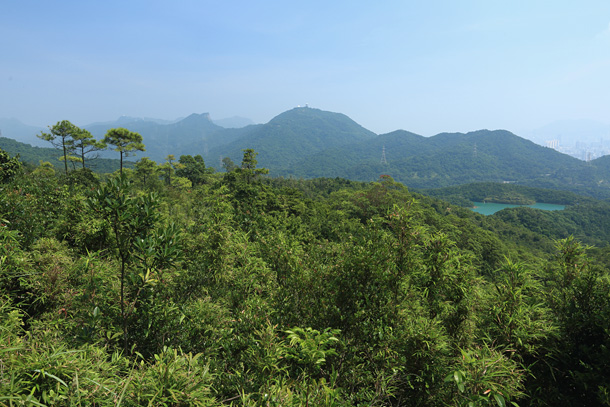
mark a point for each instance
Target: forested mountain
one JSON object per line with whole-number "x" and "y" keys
{"x": 306, "y": 142}
{"x": 450, "y": 159}
{"x": 281, "y": 142}
{"x": 239, "y": 290}
{"x": 196, "y": 131}
{"x": 292, "y": 135}
{"x": 602, "y": 164}
{"x": 177, "y": 285}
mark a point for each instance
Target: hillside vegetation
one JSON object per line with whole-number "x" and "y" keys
{"x": 177, "y": 285}
{"x": 465, "y": 195}
{"x": 34, "y": 155}
{"x": 309, "y": 143}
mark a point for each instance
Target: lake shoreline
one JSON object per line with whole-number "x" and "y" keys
{"x": 489, "y": 208}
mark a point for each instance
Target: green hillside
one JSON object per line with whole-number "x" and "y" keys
{"x": 327, "y": 292}
{"x": 455, "y": 159}
{"x": 192, "y": 135}
{"x": 295, "y": 134}
{"x": 585, "y": 218}
{"x": 33, "y": 156}
{"x": 465, "y": 195}
{"x": 309, "y": 143}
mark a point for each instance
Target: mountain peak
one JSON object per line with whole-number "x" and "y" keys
{"x": 198, "y": 117}
{"x": 306, "y": 113}
{"x": 318, "y": 120}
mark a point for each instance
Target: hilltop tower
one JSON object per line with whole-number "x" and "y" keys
{"x": 383, "y": 160}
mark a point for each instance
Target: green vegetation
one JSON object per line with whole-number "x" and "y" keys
{"x": 293, "y": 135}
{"x": 311, "y": 143}
{"x": 585, "y": 218}
{"x": 9, "y": 166}
{"x": 244, "y": 290}
{"x": 84, "y": 144}
{"x": 455, "y": 159}
{"x": 465, "y": 195}
{"x": 32, "y": 156}
{"x": 62, "y": 136}
{"x": 124, "y": 141}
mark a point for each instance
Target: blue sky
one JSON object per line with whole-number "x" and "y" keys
{"x": 425, "y": 67}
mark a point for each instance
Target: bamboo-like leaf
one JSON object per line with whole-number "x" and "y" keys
{"x": 42, "y": 372}
{"x": 500, "y": 400}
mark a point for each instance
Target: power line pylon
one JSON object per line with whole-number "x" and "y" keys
{"x": 383, "y": 160}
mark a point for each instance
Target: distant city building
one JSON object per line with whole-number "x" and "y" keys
{"x": 554, "y": 144}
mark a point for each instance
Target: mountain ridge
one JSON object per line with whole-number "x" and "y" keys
{"x": 308, "y": 142}
{"x": 308, "y": 130}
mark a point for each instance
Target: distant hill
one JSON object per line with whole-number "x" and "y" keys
{"x": 453, "y": 159}
{"x": 294, "y": 134}
{"x": 126, "y": 120}
{"x": 602, "y": 163}
{"x": 14, "y": 129}
{"x": 191, "y": 135}
{"x": 362, "y": 160}
{"x": 306, "y": 142}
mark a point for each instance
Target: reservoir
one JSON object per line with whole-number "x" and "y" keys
{"x": 491, "y": 208}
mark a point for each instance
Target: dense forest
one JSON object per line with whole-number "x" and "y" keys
{"x": 178, "y": 285}
{"x": 585, "y": 218}
{"x": 311, "y": 143}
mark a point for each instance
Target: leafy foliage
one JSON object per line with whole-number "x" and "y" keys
{"x": 125, "y": 142}
{"x": 9, "y": 166}
{"x": 246, "y": 290}
{"x": 34, "y": 155}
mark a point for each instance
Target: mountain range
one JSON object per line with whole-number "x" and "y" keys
{"x": 307, "y": 142}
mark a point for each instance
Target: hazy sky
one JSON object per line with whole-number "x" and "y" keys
{"x": 423, "y": 66}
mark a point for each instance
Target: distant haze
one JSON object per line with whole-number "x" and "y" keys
{"x": 234, "y": 122}
{"x": 571, "y": 131}
{"x": 583, "y": 139}
{"x": 427, "y": 67}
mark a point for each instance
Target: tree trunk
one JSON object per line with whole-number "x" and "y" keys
{"x": 65, "y": 156}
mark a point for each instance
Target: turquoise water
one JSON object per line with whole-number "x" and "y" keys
{"x": 491, "y": 208}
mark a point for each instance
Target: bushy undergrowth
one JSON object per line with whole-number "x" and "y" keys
{"x": 237, "y": 292}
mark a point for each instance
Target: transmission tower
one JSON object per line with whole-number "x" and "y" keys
{"x": 383, "y": 160}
